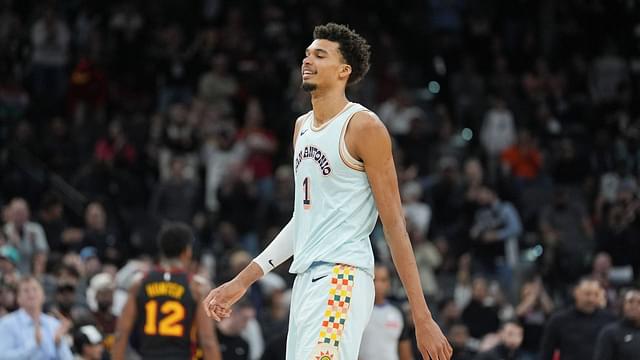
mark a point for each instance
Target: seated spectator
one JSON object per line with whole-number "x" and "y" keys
{"x": 495, "y": 232}
{"x": 98, "y": 235}
{"x": 115, "y": 149}
{"x": 574, "y": 330}
{"x": 463, "y": 345}
{"x": 621, "y": 340}
{"x": 523, "y": 160}
{"x": 508, "y": 347}
{"x": 568, "y": 237}
{"x": 232, "y": 345}
{"x": 533, "y": 311}
{"x": 28, "y": 333}
{"x": 480, "y": 316}
{"x": 26, "y": 236}
{"x": 100, "y": 299}
{"x": 176, "y": 198}
{"x": 9, "y": 260}
{"x": 87, "y": 343}
{"x": 7, "y": 299}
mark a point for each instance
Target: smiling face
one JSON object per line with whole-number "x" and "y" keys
{"x": 323, "y": 66}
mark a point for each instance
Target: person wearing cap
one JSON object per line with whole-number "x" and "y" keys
{"x": 28, "y": 333}
{"x": 9, "y": 259}
{"x": 87, "y": 343}
{"x": 100, "y": 300}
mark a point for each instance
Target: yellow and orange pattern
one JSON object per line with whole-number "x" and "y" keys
{"x": 337, "y": 305}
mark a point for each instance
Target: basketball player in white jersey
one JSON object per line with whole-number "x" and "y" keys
{"x": 344, "y": 175}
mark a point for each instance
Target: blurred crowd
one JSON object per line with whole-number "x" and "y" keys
{"x": 516, "y": 139}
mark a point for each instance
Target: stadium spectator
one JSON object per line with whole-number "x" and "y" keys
{"x": 508, "y": 348}
{"x": 533, "y": 311}
{"x": 87, "y": 343}
{"x": 574, "y": 330}
{"x": 232, "y": 345}
{"x": 30, "y": 334}
{"x": 621, "y": 340}
{"x": 26, "y": 236}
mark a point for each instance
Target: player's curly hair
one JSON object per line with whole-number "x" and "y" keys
{"x": 354, "y": 48}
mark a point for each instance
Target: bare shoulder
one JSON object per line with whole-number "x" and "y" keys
{"x": 367, "y": 121}
{"x": 367, "y": 136}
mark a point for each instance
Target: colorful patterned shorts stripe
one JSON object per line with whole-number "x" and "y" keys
{"x": 338, "y": 305}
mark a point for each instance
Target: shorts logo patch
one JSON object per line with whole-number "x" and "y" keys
{"x": 325, "y": 352}
{"x": 336, "y": 314}
{"x": 325, "y": 356}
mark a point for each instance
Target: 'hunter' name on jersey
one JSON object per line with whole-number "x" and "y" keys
{"x": 312, "y": 152}
{"x": 163, "y": 288}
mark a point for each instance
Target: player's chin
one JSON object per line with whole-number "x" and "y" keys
{"x": 308, "y": 86}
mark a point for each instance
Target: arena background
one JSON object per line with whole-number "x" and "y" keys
{"x": 512, "y": 120}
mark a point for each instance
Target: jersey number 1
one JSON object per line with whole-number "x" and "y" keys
{"x": 170, "y": 324}
{"x": 306, "y": 187}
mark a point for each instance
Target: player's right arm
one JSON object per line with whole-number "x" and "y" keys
{"x": 219, "y": 301}
{"x": 125, "y": 324}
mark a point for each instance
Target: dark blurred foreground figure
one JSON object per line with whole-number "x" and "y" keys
{"x": 621, "y": 340}
{"x": 573, "y": 331}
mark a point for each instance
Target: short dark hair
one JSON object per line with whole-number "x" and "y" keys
{"x": 50, "y": 200}
{"x": 514, "y": 322}
{"x": 174, "y": 239}
{"x": 354, "y": 48}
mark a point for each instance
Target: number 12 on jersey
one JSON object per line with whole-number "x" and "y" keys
{"x": 306, "y": 188}
{"x": 170, "y": 324}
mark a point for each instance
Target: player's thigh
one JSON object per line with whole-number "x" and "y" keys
{"x": 330, "y": 313}
{"x": 358, "y": 318}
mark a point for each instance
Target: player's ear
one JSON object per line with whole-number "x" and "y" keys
{"x": 345, "y": 71}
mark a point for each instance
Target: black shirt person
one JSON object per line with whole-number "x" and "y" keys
{"x": 621, "y": 340}
{"x": 574, "y": 331}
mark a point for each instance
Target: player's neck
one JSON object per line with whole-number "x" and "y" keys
{"x": 169, "y": 264}
{"x": 327, "y": 104}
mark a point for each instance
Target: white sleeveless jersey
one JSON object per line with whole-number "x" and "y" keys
{"x": 334, "y": 211}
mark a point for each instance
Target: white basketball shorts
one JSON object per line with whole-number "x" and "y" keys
{"x": 330, "y": 308}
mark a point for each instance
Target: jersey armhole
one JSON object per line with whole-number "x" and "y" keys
{"x": 345, "y": 155}
{"x": 303, "y": 123}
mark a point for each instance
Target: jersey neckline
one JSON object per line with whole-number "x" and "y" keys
{"x": 321, "y": 127}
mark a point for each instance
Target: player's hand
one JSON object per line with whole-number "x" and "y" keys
{"x": 217, "y": 304}
{"x": 432, "y": 342}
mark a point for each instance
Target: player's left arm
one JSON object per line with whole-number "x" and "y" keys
{"x": 125, "y": 324}
{"x": 368, "y": 140}
{"x": 204, "y": 325}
